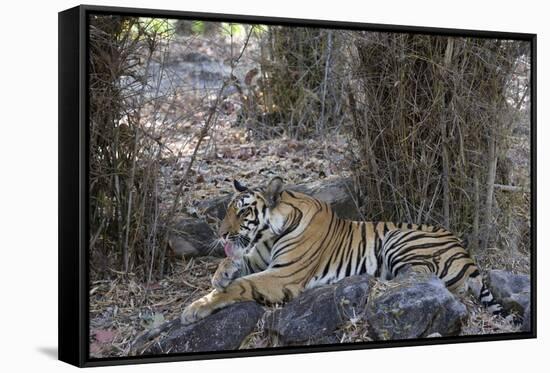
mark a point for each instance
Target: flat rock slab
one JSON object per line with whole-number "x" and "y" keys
{"x": 337, "y": 192}
{"x": 223, "y": 330}
{"x": 414, "y": 306}
{"x": 512, "y": 291}
{"x": 318, "y": 312}
{"x": 193, "y": 237}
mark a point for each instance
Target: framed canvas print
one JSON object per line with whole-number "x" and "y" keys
{"x": 233, "y": 186}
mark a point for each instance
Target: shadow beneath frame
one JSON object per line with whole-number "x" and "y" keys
{"x": 50, "y": 352}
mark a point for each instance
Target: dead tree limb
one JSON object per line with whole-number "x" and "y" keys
{"x": 511, "y": 188}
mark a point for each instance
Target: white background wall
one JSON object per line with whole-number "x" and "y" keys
{"x": 28, "y": 183}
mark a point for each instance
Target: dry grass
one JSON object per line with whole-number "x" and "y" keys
{"x": 496, "y": 258}
{"x": 482, "y": 322}
{"x": 128, "y": 308}
{"x": 432, "y": 119}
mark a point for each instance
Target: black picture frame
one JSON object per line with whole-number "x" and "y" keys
{"x": 73, "y": 184}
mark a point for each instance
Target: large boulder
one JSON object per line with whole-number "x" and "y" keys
{"x": 223, "y": 330}
{"x": 337, "y": 192}
{"x": 193, "y": 237}
{"x": 512, "y": 291}
{"x": 318, "y": 312}
{"x": 414, "y": 306}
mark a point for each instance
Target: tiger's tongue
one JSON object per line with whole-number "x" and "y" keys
{"x": 228, "y": 248}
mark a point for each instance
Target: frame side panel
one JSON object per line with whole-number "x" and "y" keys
{"x": 68, "y": 162}
{"x": 534, "y": 186}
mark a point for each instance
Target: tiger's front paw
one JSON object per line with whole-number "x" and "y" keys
{"x": 227, "y": 271}
{"x": 196, "y": 311}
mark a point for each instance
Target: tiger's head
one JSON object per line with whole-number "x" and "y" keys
{"x": 247, "y": 219}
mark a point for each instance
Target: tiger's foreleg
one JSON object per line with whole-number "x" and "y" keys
{"x": 263, "y": 287}
{"x": 228, "y": 270}
{"x": 255, "y": 260}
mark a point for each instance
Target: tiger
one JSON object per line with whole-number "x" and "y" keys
{"x": 279, "y": 242}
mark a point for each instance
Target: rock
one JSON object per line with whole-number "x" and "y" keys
{"x": 512, "y": 291}
{"x": 215, "y": 207}
{"x": 195, "y": 57}
{"x": 337, "y": 192}
{"x": 193, "y": 237}
{"x": 223, "y": 330}
{"x": 414, "y": 306}
{"x": 434, "y": 335}
{"x": 316, "y": 313}
{"x": 526, "y": 326}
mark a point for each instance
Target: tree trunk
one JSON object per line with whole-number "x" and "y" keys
{"x": 477, "y": 209}
{"x": 444, "y": 140}
{"x": 491, "y": 175}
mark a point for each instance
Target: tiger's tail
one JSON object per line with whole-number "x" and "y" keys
{"x": 479, "y": 289}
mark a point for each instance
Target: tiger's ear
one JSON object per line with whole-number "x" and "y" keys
{"x": 239, "y": 187}
{"x": 273, "y": 191}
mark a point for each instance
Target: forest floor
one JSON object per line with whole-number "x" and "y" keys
{"x": 122, "y": 307}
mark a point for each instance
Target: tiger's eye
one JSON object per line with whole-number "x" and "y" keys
{"x": 243, "y": 212}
